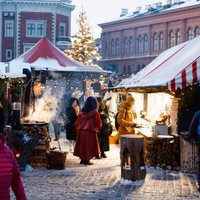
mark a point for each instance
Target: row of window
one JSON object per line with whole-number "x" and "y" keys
{"x": 128, "y": 70}
{"x": 142, "y": 42}
{"x": 34, "y": 28}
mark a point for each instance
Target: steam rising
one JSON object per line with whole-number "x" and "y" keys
{"x": 45, "y": 108}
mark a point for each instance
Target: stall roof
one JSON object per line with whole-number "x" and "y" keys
{"x": 44, "y": 55}
{"x": 175, "y": 68}
{"x": 11, "y": 72}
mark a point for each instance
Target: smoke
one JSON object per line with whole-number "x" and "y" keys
{"x": 44, "y": 109}
{"x": 46, "y": 106}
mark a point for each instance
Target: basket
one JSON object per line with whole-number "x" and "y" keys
{"x": 56, "y": 159}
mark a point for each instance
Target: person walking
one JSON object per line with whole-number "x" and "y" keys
{"x": 88, "y": 125}
{"x": 9, "y": 173}
{"x": 126, "y": 116}
{"x": 72, "y": 112}
{"x": 106, "y": 129}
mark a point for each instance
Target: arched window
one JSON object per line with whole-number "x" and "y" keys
{"x": 197, "y": 31}
{"x": 129, "y": 69}
{"x": 138, "y": 68}
{"x": 124, "y": 69}
{"x": 190, "y": 34}
{"x": 178, "y": 37}
{"x": 112, "y": 47}
{"x": 131, "y": 45}
{"x": 117, "y": 47}
{"x": 172, "y": 39}
{"x": 161, "y": 41}
{"x": 146, "y": 46}
{"x": 140, "y": 49}
{"x": 126, "y": 46}
{"x": 155, "y": 42}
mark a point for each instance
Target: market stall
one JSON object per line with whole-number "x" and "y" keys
{"x": 174, "y": 73}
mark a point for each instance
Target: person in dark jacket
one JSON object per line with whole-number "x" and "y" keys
{"x": 2, "y": 118}
{"x": 72, "y": 112}
{"x": 88, "y": 125}
{"x": 9, "y": 174}
{"x": 106, "y": 129}
{"x": 7, "y": 106}
{"x": 194, "y": 133}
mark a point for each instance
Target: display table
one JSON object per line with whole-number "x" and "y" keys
{"x": 162, "y": 150}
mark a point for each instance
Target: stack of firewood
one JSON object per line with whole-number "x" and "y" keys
{"x": 40, "y": 130}
{"x": 189, "y": 156}
{"x": 162, "y": 153}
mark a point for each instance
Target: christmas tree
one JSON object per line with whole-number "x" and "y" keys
{"x": 83, "y": 47}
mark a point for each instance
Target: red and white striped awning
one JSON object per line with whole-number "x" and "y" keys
{"x": 187, "y": 76}
{"x": 175, "y": 68}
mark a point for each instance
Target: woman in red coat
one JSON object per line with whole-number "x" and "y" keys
{"x": 9, "y": 174}
{"x": 88, "y": 124}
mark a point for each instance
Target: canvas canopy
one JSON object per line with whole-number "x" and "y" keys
{"x": 175, "y": 68}
{"x": 46, "y": 56}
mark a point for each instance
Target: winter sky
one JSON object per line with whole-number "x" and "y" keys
{"x": 99, "y": 11}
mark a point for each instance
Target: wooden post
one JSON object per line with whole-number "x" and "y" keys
{"x": 131, "y": 155}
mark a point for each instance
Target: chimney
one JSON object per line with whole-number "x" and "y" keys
{"x": 147, "y": 7}
{"x": 139, "y": 8}
{"x": 124, "y": 12}
{"x": 159, "y": 4}
{"x": 169, "y": 1}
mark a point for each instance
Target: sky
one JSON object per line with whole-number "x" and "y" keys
{"x": 99, "y": 11}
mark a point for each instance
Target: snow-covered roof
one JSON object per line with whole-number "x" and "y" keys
{"x": 46, "y": 56}
{"x": 143, "y": 11}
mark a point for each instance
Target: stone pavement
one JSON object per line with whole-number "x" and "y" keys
{"x": 102, "y": 181}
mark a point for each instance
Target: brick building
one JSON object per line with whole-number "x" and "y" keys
{"x": 23, "y": 23}
{"x": 135, "y": 39}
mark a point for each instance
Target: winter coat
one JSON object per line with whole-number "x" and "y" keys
{"x": 126, "y": 118}
{"x": 7, "y": 106}
{"x": 193, "y": 129}
{"x": 87, "y": 144}
{"x": 71, "y": 133}
{"x": 104, "y": 132}
{"x": 9, "y": 174}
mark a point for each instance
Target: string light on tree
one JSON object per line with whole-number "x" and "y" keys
{"x": 83, "y": 47}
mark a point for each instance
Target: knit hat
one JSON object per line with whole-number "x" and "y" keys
{"x": 130, "y": 100}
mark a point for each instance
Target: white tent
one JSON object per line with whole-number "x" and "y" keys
{"x": 175, "y": 68}
{"x": 12, "y": 71}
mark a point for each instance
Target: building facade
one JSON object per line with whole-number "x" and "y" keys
{"x": 23, "y": 23}
{"x": 135, "y": 39}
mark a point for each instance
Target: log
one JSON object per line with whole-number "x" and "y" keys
{"x": 131, "y": 155}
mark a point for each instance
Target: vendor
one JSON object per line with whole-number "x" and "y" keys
{"x": 126, "y": 116}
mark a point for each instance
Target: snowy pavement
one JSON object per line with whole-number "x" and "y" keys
{"x": 102, "y": 181}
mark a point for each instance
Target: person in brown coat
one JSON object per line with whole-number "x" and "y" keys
{"x": 126, "y": 117}
{"x": 88, "y": 125}
{"x": 106, "y": 129}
